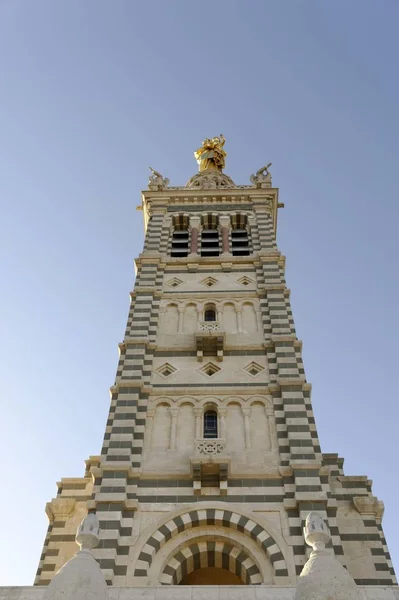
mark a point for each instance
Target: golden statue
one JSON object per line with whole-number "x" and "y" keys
{"x": 211, "y": 155}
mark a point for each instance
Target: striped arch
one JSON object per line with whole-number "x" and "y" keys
{"x": 211, "y": 554}
{"x": 239, "y": 221}
{"x": 205, "y": 517}
{"x": 210, "y": 221}
{"x": 181, "y": 222}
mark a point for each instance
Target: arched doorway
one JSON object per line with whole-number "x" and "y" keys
{"x": 211, "y": 576}
{"x": 211, "y": 562}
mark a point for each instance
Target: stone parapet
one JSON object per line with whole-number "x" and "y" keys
{"x": 170, "y": 592}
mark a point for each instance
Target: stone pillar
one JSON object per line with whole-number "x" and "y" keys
{"x": 181, "y": 319}
{"x": 149, "y": 424}
{"x": 220, "y": 315}
{"x": 162, "y": 311}
{"x": 198, "y": 412}
{"x": 174, "y": 412}
{"x": 200, "y": 310}
{"x": 195, "y": 224}
{"x": 225, "y": 224}
{"x": 247, "y": 427}
{"x": 222, "y": 412}
{"x": 239, "y": 318}
{"x": 259, "y": 322}
{"x": 272, "y": 428}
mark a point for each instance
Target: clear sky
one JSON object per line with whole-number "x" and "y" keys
{"x": 92, "y": 92}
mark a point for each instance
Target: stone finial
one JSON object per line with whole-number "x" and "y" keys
{"x": 88, "y": 533}
{"x": 262, "y": 177}
{"x": 156, "y": 181}
{"x": 323, "y": 577}
{"x": 81, "y": 577}
{"x": 316, "y": 532}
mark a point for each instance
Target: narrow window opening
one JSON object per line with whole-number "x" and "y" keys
{"x": 210, "y": 242}
{"x": 210, "y": 424}
{"x": 240, "y": 242}
{"x": 210, "y": 315}
{"x": 180, "y": 236}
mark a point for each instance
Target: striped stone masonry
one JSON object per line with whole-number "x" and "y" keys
{"x": 210, "y": 332}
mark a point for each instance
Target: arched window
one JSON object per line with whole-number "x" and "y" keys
{"x": 210, "y": 424}
{"x": 239, "y": 235}
{"x": 180, "y": 236}
{"x": 210, "y": 313}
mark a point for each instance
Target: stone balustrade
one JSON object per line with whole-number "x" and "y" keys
{"x": 210, "y": 447}
{"x": 209, "y": 326}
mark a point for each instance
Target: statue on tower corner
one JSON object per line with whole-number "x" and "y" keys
{"x": 262, "y": 177}
{"x": 156, "y": 181}
{"x": 211, "y": 156}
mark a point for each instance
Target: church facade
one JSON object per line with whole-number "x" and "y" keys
{"x": 211, "y": 460}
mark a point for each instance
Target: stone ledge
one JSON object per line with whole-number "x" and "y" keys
{"x": 255, "y": 592}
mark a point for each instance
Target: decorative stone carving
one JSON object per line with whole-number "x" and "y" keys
{"x": 209, "y": 326}
{"x": 316, "y": 532}
{"x": 323, "y": 577}
{"x": 88, "y": 533}
{"x": 156, "y": 181}
{"x": 210, "y": 180}
{"x": 81, "y": 577}
{"x": 209, "y": 447}
{"x": 262, "y": 177}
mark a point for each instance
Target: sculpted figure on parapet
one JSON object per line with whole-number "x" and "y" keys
{"x": 262, "y": 177}
{"x": 156, "y": 181}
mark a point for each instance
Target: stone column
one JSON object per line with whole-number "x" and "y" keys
{"x": 200, "y": 310}
{"x": 272, "y": 428}
{"x": 174, "y": 412}
{"x": 181, "y": 318}
{"x": 239, "y": 318}
{"x": 162, "y": 311}
{"x": 198, "y": 412}
{"x": 225, "y": 224}
{"x": 149, "y": 424}
{"x": 259, "y": 319}
{"x": 220, "y": 315}
{"x": 247, "y": 427}
{"x": 195, "y": 224}
{"x": 222, "y": 412}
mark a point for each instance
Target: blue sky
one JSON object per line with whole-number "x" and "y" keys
{"x": 92, "y": 93}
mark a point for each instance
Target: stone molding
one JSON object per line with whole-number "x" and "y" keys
{"x": 60, "y": 507}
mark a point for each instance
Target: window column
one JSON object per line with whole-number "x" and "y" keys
{"x": 174, "y": 412}
{"x": 272, "y": 428}
{"x": 198, "y": 423}
{"x": 239, "y": 318}
{"x": 149, "y": 425}
{"x": 225, "y": 226}
{"x": 247, "y": 426}
{"x": 181, "y": 319}
{"x": 222, "y": 417}
{"x": 195, "y": 224}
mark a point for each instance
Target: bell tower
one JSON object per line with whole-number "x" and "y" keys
{"x": 211, "y": 460}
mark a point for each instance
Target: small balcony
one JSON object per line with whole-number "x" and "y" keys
{"x": 209, "y": 340}
{"x": 210, "y": 465}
